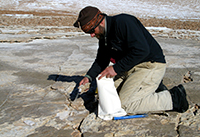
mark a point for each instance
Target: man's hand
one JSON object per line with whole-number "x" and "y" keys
{"x": 84, "y": 81}
{"x": 109, "y": 72}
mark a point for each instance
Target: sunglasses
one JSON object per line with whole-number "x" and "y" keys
{"x": 96, "y": 24}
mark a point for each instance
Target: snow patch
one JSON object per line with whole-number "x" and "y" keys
{"x": 176, "y": 9}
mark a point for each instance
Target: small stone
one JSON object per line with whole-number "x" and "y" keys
{"x": 164, "y": 121}
{"x": 29, "y": 122}
{"x": 76, "y": 133}
{"x": 109, "y": 135}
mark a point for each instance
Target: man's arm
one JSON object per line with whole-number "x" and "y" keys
{"x": 101, "y": 62}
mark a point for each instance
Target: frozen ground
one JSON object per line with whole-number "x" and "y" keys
{"x": 172, "y": 9}
{"x": 43, "y": 58}
{"x": 37, "y": 79}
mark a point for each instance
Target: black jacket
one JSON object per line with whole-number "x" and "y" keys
{"x": 128, "y": 42}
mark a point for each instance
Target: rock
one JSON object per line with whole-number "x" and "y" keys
{"x": 187, "y": 77}
{"x": 189, "y": 123}
{"x": 77, "y": 117}
{"x": 46, "y": 131}
{"x": 29, "y": 122}
{"x": 76, "y": 133}
{"x": 95, "y": 135}
{"x": 78, "y": 104}
{"x": 38, "y": 79}
{"x": 90, "y": 123}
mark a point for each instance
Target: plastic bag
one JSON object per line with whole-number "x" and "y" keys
{"x": 109, "y": 103}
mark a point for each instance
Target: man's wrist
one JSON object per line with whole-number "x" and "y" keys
{"x": 87, "y": 76}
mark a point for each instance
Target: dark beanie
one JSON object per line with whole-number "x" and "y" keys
{"x": 88, "y": 17}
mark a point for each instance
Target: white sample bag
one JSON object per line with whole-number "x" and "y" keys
{"x": 109, "y": 103}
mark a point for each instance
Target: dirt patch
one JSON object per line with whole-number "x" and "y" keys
{"x": 173, "y": 24}
{"x": 64, "y": 18}
{"x": 37, "y": 13}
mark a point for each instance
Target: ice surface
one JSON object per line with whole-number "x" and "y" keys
{"x": 177, "y": 9}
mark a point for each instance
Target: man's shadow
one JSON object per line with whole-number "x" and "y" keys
{"x": 88, "y": 97}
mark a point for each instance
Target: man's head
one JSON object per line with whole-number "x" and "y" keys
{"x": 89, "y": 19}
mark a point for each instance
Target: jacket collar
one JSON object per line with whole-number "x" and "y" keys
{"x": 108, "y": 23}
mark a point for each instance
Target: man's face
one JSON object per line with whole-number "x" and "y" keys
{"x": 99, "y": 32}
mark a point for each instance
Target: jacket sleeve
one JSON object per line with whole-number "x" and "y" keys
{"x": 130, "y": 30}
{"x": 101, "y": 62}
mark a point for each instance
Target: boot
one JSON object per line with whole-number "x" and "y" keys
{"x": 179, "y": 100}
{"x": 161, "y": 87}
